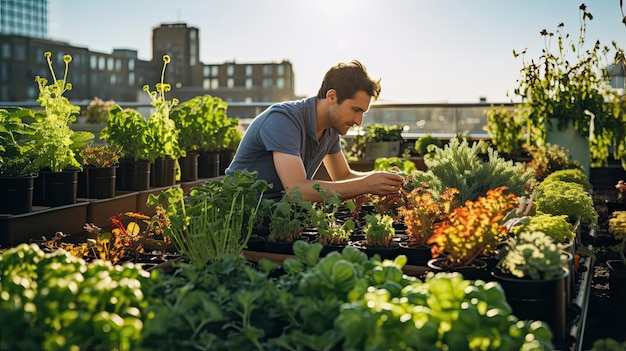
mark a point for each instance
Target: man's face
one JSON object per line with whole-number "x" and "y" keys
{"x": 350, "y": 112}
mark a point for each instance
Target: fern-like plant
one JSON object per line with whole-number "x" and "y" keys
{"x": 459, "y": 165}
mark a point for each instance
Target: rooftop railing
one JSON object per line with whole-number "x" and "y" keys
{"x": 442, "y": 120}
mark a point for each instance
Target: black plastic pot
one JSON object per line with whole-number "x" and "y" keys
{"x": 16, "y": 194}
{"x": 133, "y": 175}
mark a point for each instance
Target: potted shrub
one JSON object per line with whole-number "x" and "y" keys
{"x": 560, "y": 197}
{"x": 459, "y": 165}
{"x": 377, "y": 140}
{"x": 562, "y": 93}
{"x": 549, "y": 158}
{"x": 507, "y": 127}
{"x": 97, "y": 180}
{"x": 534, "y": 275}
{"x": 471, "y": 231}
{"x": 150, "y": 147}
{"x": 55, "y": 146}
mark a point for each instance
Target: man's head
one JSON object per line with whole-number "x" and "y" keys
{"x": 348, "y": 78}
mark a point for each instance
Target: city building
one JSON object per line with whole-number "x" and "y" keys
{"x": 120, "y": 75}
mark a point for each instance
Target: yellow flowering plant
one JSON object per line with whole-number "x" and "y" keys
{"x": 55, "y": 145}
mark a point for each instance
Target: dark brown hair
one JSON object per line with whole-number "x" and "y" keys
{"x": 347, "y": 79}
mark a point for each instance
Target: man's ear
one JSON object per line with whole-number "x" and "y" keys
{"x": 331, "y": 95}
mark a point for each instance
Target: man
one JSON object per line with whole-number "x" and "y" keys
{"x": 288, "y": 142}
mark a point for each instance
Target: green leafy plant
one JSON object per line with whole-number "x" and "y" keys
{"x": 55, "y": 145}
{"x": 533, "y": 255}
{"x": 146, "y": 139}
{"x": 373, "y": 133}
{"x": 204, "y": 124}
{"x": 216, "y": 219}
{"x": 287, "y": 217}
{"x": 379, "y": 230}
{"x": 423, "y": 144}
{"x": 575, "y": 91}
{"x": 14, "y": 136}
{"x": 323, "y": 216}
{"x": 55, "y": 301}
{"x": 101, "y": 156}
{"x": 506, "y": 127}
{"x": 474, "y": 229}
{"x": 395, "y": 164}
{"x": 554, "y": 226}
{"x": 559, "y": 197}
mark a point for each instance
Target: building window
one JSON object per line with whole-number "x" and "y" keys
{"x": 6, "y": 50}
{"x": 20, "y": 53}
{"x": 280, "y": 83}
{"x": 247, "y": 100}
{"x": 113, "y": 79}
{"x": 230, "y": 70}
{"x": 118, "y": 64}
{"x": 267, "y": 82}
{"x": 131, "y": 78}
{"x": 248, "y": 70}
{"x": 215, "y": 71}
{"x": 215, "y": 83}
{"x": 230, "y": 83}
{"x": 101, "y": 63}
{"x": 280, "y": 70}
{"x": 267, "y": 70}
{"x": 93, "y": 62}
{"x": 110, "y": 64}
{"x": 4, "y": 72}
{"x": 206, "y": 71}
{"x": 206, "y": 84}
{"x": 248, "y": 83}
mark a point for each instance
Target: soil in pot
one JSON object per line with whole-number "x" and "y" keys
{"x": 389, "y": 253}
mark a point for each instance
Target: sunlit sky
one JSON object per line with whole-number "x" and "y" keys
{"x": 423, "y": 50}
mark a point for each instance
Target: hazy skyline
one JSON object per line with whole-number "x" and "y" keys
{"x": 423, "y": 50}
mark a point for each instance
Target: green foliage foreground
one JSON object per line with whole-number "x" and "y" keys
{"x": 342, "y": 301}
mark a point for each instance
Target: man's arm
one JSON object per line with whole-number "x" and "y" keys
{"x": 346, "y": 182}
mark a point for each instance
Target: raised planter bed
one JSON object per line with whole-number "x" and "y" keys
{"x": 42, "y": 221}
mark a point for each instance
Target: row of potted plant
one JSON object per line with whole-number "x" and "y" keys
{"x": 40, "y": 150}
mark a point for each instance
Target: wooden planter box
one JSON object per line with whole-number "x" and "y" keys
{"x": 42, "y": 221}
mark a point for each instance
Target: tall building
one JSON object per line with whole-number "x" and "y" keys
{"x": 24, "y": 17}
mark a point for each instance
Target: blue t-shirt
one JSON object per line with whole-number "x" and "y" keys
{"x": 288, "y": 127}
